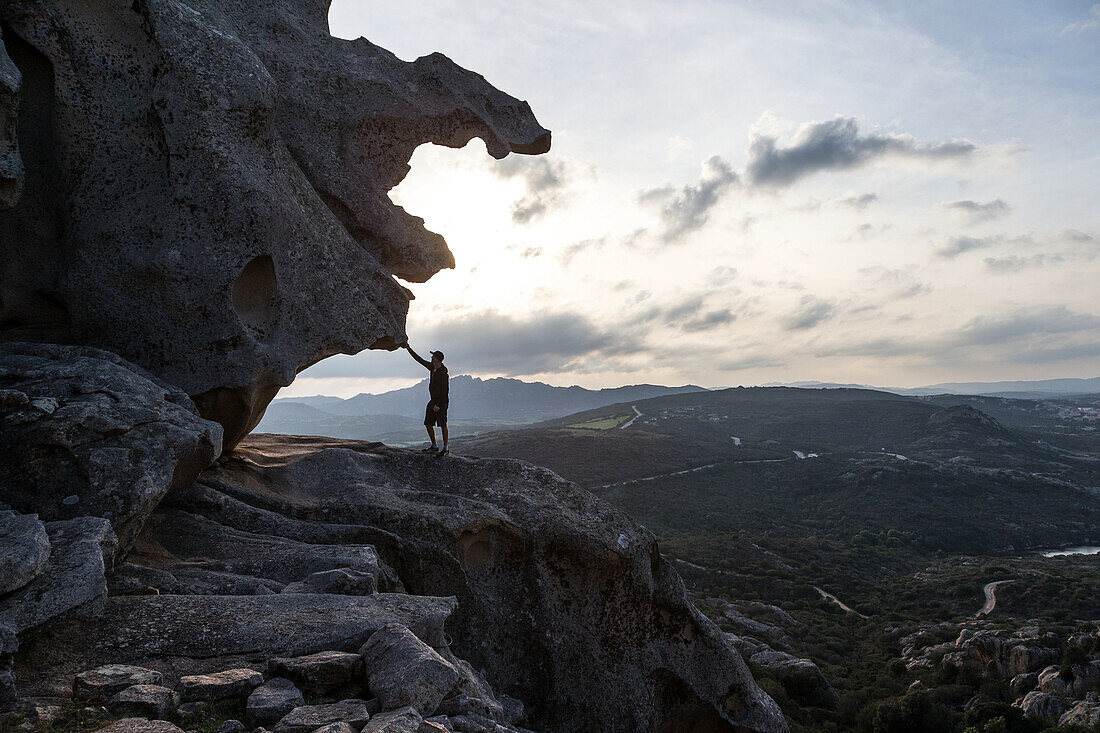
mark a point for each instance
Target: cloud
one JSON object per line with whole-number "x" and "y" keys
{"x": 545, "y": 179}
{"x": 1091, "y": 23}
{"x": 975, "y": 212}
{"x": 585, "y": 245}
{"x": 1013, "y": 263}
{"x": 859, "y": 202}
{"x": 958, "y": 245}
{"x": 811, "y": 312}
{"x": 837, "y": 145}
{"x": 690, "y": 315}
{"x": 686, "y": 210}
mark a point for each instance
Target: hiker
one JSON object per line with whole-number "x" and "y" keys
{"x": 438, "y": 391}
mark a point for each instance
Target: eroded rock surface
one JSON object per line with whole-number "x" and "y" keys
{"x": 84, "y": 433}
{"x": 206, "y": 186}
{"x": 563, "y": 602}
{"x": 26, "y": 549}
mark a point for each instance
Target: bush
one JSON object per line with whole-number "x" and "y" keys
{"x": 916, "y": 712}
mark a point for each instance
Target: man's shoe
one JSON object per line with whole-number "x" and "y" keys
{"x": 430, "y": 449}
{"x": 444, "y": 452}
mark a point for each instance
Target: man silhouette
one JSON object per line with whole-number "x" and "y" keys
{"x": 439, "y": 393}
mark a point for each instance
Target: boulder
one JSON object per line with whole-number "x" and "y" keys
{"x": 207, "y": 192}
{"x": 340, "y": 727}
{"x": 144, "y": 701}
{"x": 402, "y": 720}
{"x": 1051, "y": 681}
{"x": 1022, "y": 684}
{"x": 402, "y": 671}
{"x": 73, "y": 583}
{"x": 563, "y": 601}
{"x": 274, "y": 699}
{"x": 97, "y": 437}
{"x": 318, "y": 672}
{"x": 431, "y": 726}
{"x": 26, "y": 549}
{"x": 101, "y": 684}
{"x": 1085, "y": 678}
{"x": 231, "y": 726}
{"x": 1085, "y": 713}
{"x": 212, "y": 633}
{"x": 309, "y": 718}
{"x": 801, "y": 678}
{"x": 140, "y": 725}
{"x": 1042, "y": 706}
{"x": 220, "y": 685}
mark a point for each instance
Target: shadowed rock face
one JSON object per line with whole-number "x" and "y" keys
{"x": 202, "y": 188}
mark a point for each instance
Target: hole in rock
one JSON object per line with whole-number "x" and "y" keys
{"x": 254, "y": 296}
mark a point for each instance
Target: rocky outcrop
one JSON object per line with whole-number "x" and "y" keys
{"x": 206, "y": 186}
{"x": 84, "y": 433}
{"x": 26, "y": 549}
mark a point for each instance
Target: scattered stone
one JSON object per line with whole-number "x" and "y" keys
{"x": 143, "y": 701}
{"x": 274, "y": 699}
{"x": 309, "y": 718}
{"x": 99, "y": 685}
{"x": 192, "y": 710}
{"x": 26, "y": 549}
{"x": 220, "y": 685}
{"x": 318, "y": 672}
{"x": 101, "y": 437}
{"x": 1042, "y": 705}
{"x": 402, "y": 720}
{"x": 404, "y": 671}
{"x": 232, "y": 726}
{"x": 73, "y": 583}
{"x": 140, "y": 725}
{"x": 341, "y": 581}
{"x": 801, "y": 678}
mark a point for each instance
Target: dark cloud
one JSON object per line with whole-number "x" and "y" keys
{"x": 975, "y": 212}
{"x": 811, "y": 312}
{"x": 838, "y": 145}
{"x": 956, "y": 246}
{"x": 859, "y": 202}
{"x": 686, "y": 210}
{"x": 690, "y": 315}
{"x": 545, "y": 179}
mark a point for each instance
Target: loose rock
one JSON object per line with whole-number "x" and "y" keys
{"x": 145, "y": 701}
{"x": 99, "y": 685}
{"x": 318, "y": 672}
{"x": 309, "y": 718}
{"x": 404, "y": 671}
{"x": 220, "y": 685}
{"x": 403, "y": 720}
{"x": 140, "y": 725}
{"x": 274, "y": 699}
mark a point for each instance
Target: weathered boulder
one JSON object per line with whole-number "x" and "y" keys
{"x": 211, "y": 633}
{"x": 801, "y": 678}
{"x": 343, "y": 581}
{"x": 231, "y": 726}
{"x": 100, "y": 684}
{"x": 402, "y": 671}
{"x": 318, "y": 672}
{"x": 1084, "y": 678}
{"x": 144, "y": 701}
{"x": 1085, "y": 713}
{"x": 96, "y": 436}
{"x": 1042, "y": 706}
{"x": 1051, "y": 681}
{"x": 206, "y": 187}
{"x": 402, "y": 720}
{"x": 140, "y": 725}
{"x": 223, "y": 685}
{"x": 309, "y": 718}
{"x": 274, "y": 699}
{"x": 73, "y": 583}
{"x": 564, "y": 602}
{"x": 340, "y": 727}
{"x": 26, "y": 549}
{"x": 11, "y": 165}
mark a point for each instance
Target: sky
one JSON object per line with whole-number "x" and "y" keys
{"x": 885, "y": 193}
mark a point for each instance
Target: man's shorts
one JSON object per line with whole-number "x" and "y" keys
{"x": 431, "y": 417}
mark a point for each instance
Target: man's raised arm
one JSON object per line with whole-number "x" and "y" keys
{"x": 426, "y": 364}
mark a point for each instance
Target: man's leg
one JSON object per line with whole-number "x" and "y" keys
{"x": 444, "y": 429}
{"x": 431, "y": 435}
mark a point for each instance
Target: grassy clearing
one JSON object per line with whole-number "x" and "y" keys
{"x": 604, "y": 423}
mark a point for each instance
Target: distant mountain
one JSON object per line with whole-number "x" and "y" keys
{"x": 472, "y": 399}
{"x": 1019, "y": 389}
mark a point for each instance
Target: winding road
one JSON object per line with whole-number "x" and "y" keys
{"x": 990, "y": 597}
{"x": 628, "y": 423}
{"x": 843, "y": 606}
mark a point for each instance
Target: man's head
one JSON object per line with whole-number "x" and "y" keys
{"x": 437, "y": 358}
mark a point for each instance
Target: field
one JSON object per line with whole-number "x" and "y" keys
{"x": 602, "y": 423}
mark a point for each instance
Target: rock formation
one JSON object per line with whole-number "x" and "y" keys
{"x": 206, "y": 186}
{"x": 193, "y": 207}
